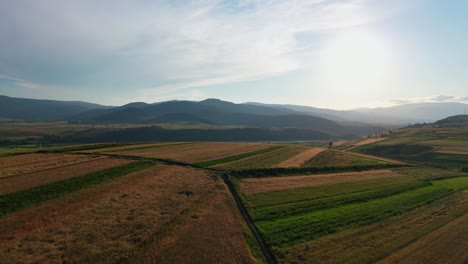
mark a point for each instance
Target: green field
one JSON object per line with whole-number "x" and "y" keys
{"x": 332, "y": 158}
{"x": 292, "y": 218}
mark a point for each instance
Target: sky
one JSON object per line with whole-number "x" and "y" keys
{"x": 339, "y": 54}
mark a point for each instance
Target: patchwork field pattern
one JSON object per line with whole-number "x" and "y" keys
{"x": 300, "y": 159}
{"x": 333, "y": 158}
{"x": 304, "y": 218}
{"x": 258, "y": 185}
{"x": 236, "y": 203}
{"x": 142, "y": 216}
{"x": 195, "y": 152}
{"x": 13, "y": 183}
{"x": 267, "y": 160}
{"x": 20, "y": 164}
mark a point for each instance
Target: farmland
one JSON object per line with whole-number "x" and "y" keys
{"x": 295, "y": 213}
{"x": 209, "y": 202}
{"x": 63, "y": 207}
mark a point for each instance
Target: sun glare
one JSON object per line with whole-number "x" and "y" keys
{"x": 356, "y": 61}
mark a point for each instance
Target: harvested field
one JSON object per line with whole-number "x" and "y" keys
{"x": 258, "y": 185}
{"x": 20, "y": 164}
{"x": 370, "y": 243}
{"x": 128, "y": 147}
{"x": 24, "y": 181}
{"x": 141, "y": 217}
{"x": 300, "y": 159}
{"x": 267, "y": 160}
{"x": 447, "y": 244}
{"x": 197, "y": 152}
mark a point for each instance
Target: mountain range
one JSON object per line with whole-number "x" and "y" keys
{"x": 342, "y": 124}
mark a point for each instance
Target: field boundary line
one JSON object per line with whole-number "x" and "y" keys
{"x": 268, "y": 255}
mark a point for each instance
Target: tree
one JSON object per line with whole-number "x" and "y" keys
{"x": 330, "y": 144}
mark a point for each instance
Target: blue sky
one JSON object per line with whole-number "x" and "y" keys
{"x": 338, "y": 54}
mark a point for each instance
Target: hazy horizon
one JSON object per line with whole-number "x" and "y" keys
{"x": 329, "y": 54}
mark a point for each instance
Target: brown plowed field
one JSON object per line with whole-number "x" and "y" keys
{"x": 24, "y": 181}
{"x": 143, "y": 217}
{"x": 197, "y": 152}
{"x": 19, "y": 164}
{"x": 300, "y": 159}
{"x": 258, "y": 185}
{"x": 447, "y": 244}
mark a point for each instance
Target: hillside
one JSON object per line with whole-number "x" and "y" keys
{"x": 42, "y": 110}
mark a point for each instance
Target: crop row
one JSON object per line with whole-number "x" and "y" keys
{"x": 290, "y": 231}
{"x": 286, "y": 210}
{"x": 338, "y": 158}
{"x": 210, "y": 163}
{"x": 275, "y": 172}
{"x": 27, "y": 198}
{"x": 266, "y": 199}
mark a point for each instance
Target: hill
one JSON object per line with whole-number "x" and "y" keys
{"x": 457, "y": 119}
{"x": 42, "y": 110}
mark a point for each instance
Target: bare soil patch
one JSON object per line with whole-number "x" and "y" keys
{"x": 259, "y": 185}
{"x": 24, "y": 181}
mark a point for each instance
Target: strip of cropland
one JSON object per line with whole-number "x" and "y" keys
{"x": 19, "y": 164}
{"x": 371, "y": 243}
{"x": 444, "y": 245}
{"x": 268, "y": 184}
{"x": 333, "y": 158}
{"x": 161, "y": 214}
{"x": 237, "y": 157}
{"x": 196, "y": 152}
{"x": 136, "y": 146}
{"x": 33, "y": 196}
{"x": 265, "y": 160}
{"x": 297, "y": 220}
{"x": 15, "y": 183}
{"x": 300, "y": 159}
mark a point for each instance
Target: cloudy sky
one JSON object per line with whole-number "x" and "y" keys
{"x": 338, "y": 54}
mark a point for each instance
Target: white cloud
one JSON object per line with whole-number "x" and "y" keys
{"x": 171, "y": 45}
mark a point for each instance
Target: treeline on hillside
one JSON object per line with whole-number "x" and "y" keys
{"x": 156, "y": 133}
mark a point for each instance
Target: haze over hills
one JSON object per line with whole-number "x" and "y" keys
{"x": 303, "y": 120}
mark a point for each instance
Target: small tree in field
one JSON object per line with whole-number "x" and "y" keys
{"x": 330, "y": 144}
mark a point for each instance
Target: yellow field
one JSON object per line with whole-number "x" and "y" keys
{"x": 258, "y": 185}
{"x": 300, "y": 159}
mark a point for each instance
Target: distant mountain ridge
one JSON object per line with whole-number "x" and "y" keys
{"x": 42, "y": 110}
{"x": 358, "y": 122}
